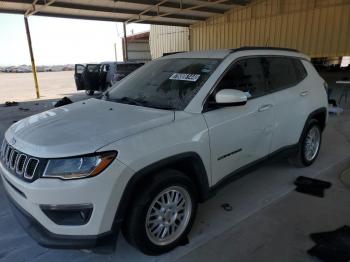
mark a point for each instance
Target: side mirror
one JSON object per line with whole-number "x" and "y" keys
{"x": 230, "y": 97}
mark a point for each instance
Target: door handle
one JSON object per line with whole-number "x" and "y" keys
{"x": 264, "y": 108}
{"x": 304, "y": 93}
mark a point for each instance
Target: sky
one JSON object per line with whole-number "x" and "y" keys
{"x": 61, "y": 41}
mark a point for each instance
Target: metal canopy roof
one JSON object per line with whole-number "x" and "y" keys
{"x": 164, "y": 12}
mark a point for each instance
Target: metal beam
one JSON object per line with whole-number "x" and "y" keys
{"x": 175, "y": 5}
{"x": 125, "y": 44}
{"x": 38, "y": 8}
{"x": 32, "y": 57}
{"x": 151, "y": 7}
{"x": 92, "y": 17}
{"x": 194, "y": 7}
{"x": 85, "y": 7}
{"x": 237, "y": 2}
{"x": 108, "y": 19}
{"x": 33, "y": 7}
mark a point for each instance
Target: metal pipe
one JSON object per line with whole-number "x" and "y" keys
{"x": 146, "y": 10}
{"x": 32, "y": 58}
{"x": 183, "y": 10}
{"x": 33, "y": 7}
{"x": 38, "y": 8}
{"x": 115, "y": 52}
{"x": 125, "y": 43}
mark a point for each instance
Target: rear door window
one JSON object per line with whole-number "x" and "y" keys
{"x": 300, "y": 69}
{"x": 283, "y": 72}
{"x": 280, "y": 72}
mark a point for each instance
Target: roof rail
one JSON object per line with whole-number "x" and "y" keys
{"x": 246, "y": 48}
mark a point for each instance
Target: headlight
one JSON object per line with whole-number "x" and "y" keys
{"x": 79, "y": 167}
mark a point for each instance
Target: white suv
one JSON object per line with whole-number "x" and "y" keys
{"x": 158, "y": 143}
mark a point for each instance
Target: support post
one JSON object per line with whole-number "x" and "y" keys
{"x": 115, "y": 52}
{"x": 32, "y": 58}
{"x": 125, "y": 44}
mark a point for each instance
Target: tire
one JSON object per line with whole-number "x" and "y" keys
{"x": 90, "y": 92}
{"x": 305, "y": 158}
{"x": 141, "y": 220}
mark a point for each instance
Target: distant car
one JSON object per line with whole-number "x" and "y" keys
{"x": 99, "y": 77}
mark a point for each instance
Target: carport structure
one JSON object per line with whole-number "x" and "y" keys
{"x": 159, "y": 12}
{"x": 164, "y": 12}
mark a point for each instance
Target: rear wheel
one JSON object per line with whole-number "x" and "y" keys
{"x": 90, "y": 92}
{"x": 162, "y": 214}
{"x": 309, "y": 145}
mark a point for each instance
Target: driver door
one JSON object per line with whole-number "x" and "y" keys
{"x": 240, "y": 135}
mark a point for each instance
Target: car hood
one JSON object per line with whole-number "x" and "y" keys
{"x": 82, "y": 127}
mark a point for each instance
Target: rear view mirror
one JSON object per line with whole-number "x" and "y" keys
{"x": 230, "y": 97}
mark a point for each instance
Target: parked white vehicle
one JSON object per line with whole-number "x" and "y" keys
{"x": 158, "y": 143}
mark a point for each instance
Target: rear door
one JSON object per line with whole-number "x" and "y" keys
{"x": 286, "y": 81}
{"x": 79, "y": 69}
{"x": 91, "y": 77}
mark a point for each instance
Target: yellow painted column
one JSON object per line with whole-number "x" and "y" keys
{"x": 32, "y": 58}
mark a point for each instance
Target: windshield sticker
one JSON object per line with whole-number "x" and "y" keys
{"x": 184, "y": 77}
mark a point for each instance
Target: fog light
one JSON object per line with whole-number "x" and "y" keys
{"x": 68, "y": 215}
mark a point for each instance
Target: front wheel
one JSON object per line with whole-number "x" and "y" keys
{"x": 162, "y": 214}
{"x": 309, "y": 145}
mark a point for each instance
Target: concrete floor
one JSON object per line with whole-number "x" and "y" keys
{"x": 269, "y": 221}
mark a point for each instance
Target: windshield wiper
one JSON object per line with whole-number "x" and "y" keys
{"x": 130, "y": 101}
{"x": 137, "y": 102}
{"x": 162, "y": 107}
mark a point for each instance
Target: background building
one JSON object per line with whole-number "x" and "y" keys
{"x": 319, "y": 28}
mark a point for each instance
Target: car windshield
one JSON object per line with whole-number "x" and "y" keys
{"x": 166, "y": 84}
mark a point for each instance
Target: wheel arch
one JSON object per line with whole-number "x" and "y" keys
{"x": 189, "y": 163}
{"x": 320, "y": 115}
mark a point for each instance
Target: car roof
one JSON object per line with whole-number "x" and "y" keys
{"x": 221, "y": 54}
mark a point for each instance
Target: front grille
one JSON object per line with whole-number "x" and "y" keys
{"x": 19, "y": 164}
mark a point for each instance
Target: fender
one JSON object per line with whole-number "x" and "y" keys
{"x": 197, "y": 173}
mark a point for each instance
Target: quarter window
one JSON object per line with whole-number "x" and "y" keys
{"x": 245, "y": 75}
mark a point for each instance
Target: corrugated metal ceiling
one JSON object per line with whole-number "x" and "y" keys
{"x": 164, "y": 12}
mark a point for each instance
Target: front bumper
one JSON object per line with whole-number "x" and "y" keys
{"x": 103, "y": 192}
{"x": 48, "y": 239}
